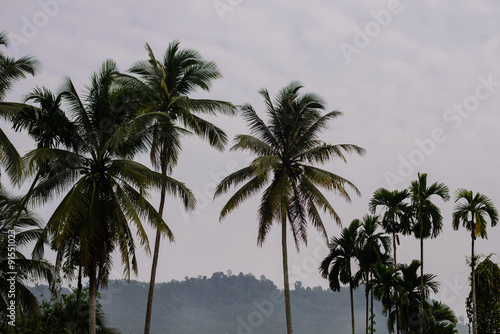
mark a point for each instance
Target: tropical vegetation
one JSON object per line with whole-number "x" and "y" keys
{"x": 84, "y": 160}
{"x": 483, "y": 303}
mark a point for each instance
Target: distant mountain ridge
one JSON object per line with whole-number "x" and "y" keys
{"x": 233, "y": 304}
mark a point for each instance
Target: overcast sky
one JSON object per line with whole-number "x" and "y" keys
{"x": 418, "y": 82}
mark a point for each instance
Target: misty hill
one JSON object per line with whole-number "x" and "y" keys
{"x": 228, "y": 304}
{"x": 233, "y": 304}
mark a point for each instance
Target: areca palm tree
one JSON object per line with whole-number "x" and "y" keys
{"x": 394, "y": 220}
{"x": 167, "y": 85}
{"x": 426, "y": 219}
{"x": 107, "y": 190}
{"x": 472, "y": 213}
{"x": 373, "y": 247}
{"x": 12, "y": 70}
{"x": 337, "y": 265}
{"x": 287, "y": 150}
{"x": 440, "y": 318}
{"x": 387, "y": 286}
{"x": 410, "y": 311}
{"x": 395, "y": 209}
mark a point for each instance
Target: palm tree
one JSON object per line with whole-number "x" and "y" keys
{"x": 472, "y": 214}
{"x": 440, "y": 318}
{"x": 410, "y": 300}
{"x": 47, "y": 125}
{"x": 14, "y": 266}
{"x": 107, "y": 191}
{"x": 394, "y": 210}
{"x": 12, "y": 70}
{"x": 372, "y": 248}
{"x": 337, "y": 265}
{"x": 426, "y": 219}
{"x": 166, "y": 85}
{"x": 287, "y": 149}
{"x": 387, "y": 285}
{"x": 394, "y": 219}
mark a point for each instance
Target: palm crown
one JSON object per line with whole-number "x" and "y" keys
{"x": 472, "y": 212}
{"x": 287, "y": 148}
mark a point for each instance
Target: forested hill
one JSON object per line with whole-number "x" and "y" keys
{"x": 233, "y": 304}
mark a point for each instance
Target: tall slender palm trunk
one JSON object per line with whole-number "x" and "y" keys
{"x": 78, "y": 293}
{"x": 288, "y": 309}
{"x": 474, "y": 309}
{"x": 26, "y": 198}
{"x": 149, "y": 307}
{"x": 351, "y": 288}
{"x": 367, "y": 302}
{"x": 395, "y": 291}
{"x": 93, "y": 285}
{"x": 421, "y": 284}
{"x": 372, "y": 320}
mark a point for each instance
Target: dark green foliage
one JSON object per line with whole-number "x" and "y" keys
{"x": 487, "y": 297}
{"x": 63, "y": 315}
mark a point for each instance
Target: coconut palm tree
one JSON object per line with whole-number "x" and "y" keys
{"x": 373, "y": 247}
{"x": 47, "y": 125}
{"x": 287, "y": 148}
{"x": 167, "y": 85}
{"x": 394, "y": 219}
{"x": 472, "y": 213}
{"x": 14, "y": 265}
{"x": 337, "y": 265}
{"x": 107, "y": 190}
{"x": 12, "y": 70}
{"x": 426, "y": 219}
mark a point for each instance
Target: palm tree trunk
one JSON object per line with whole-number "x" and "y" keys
{"x": 394, "y": 247}
{"x": 149, "y": 307}
{"x": 421, "y": 284}
{"x": 78, "y": 294}
{"x": 92, "y": 301}
{"x": 26, "y": 198}
{"x": 288, "y": 309}
{"x": 352, "y": 303}
{"x": 395, "y": 291}
{"x": 366, "y": 296}
{"x": 474, "y": 309}
{"x": 371, "y": 308}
